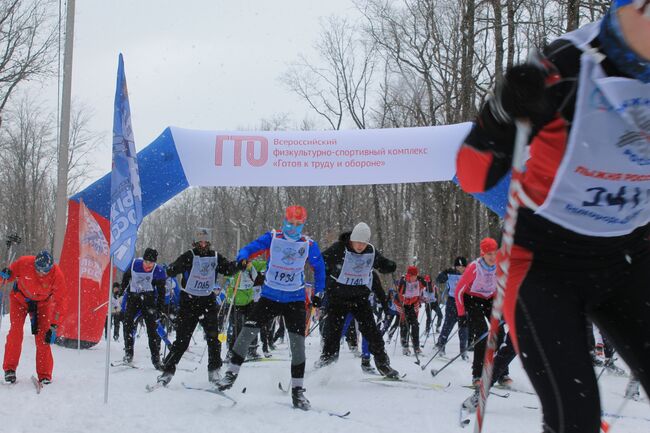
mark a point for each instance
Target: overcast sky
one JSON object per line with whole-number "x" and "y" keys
{"x": 202, "y": 64}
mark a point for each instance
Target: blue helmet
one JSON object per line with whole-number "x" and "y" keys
{"x": 44, "y": 262}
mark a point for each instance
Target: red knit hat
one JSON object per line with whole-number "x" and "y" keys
{"x": 296, "y": 212}
{"x": 412, "y": 270}
{"x": 488, "y": 245}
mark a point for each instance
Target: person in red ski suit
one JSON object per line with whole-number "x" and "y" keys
{"x": 37, "y": 290}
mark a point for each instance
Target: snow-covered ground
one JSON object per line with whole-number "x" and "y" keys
{"x": 74, "y": 402}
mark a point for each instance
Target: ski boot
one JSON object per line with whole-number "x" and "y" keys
{"x": 298, "y": 398}
{"x": 165, "y": 378}
{"x": 214, "y": 376}
{"x": 128, "y": 359}
{"x": 406, "y": 351}
{"x": 476, "y": 382}
{"x": 440, "y": 350}
{"x": 465, "y": 356}
{"x": 366, "y": 367}
{"x": 471, "y": 403}
{"x": 267, "y": 354}
{"x": 10, "y": 376}
{"x": 505, "y": 381}
{"x": 227, "y": 381}
{"x": 387, "y": 371}
{"x": 45, "y": 381}
{"x": 324, "y": 362}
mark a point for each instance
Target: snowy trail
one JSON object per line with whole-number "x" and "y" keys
{"x": 74, "y": 402}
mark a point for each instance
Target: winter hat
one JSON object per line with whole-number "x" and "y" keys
{"x": 296, "y": 212}
{"x": 412, "y": 270}
{"x": 488, "y": 245}
{"x": 460, "y": 261}
{"x": 361, "y": 233}
{"x": 150, "y": 255}
{"x": 613, "y": 43}
{"x": 202, "y": 234}
{"x": 44, "y": 262}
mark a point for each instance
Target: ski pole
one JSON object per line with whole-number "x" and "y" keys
{"x": 434, "y": 372}
{"x": 222, "y": 335}
{"x": 516, "y": 195}
{"x": 315, "y": 325}
{"x": 439, "y": 350}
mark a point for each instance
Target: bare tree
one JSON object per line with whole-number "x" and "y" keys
{"x": 26, "y": 167}
{"x": 27, "y": 40}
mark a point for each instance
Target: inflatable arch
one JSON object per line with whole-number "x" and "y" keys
{"x": 180, "y": 158}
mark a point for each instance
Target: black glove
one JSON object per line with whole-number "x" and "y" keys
{"x": 50, "y": 335}
{"x": 5, "y": 273}
{"x": 462, "y": 321}
{"x": 317, "y": 301}
{"x": 241, "y": 264}
{"x": 521, "y": 94}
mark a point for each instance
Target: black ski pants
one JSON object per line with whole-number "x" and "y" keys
{"x": 359, "y": 307}
{"x": 429, "y": 309}
{"x": 409, "y": 323}
{"x": 549, "y": 298}
{"x": 145, "y": 303}
{"x": 478, "y": 312}
{"x": 192, "y": 310}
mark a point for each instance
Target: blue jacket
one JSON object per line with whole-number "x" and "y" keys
{"x": 315, "y": 259}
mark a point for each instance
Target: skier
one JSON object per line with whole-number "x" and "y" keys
{"x": 581, "y": 237}
{"x": 117, "y": 313}
{"x": 283, "y": 293}
{"x": 449, "y": 278}
{"x": 38, "y": 290}
{"x": 144, "y": 284}
{"x": 349, "y": 265}
{"x": 409, "y": 291}
{"x": 243, "y": 306}
{"x": 430, "y": 297}
{"x": 474, "y": 294}
{"x": 200, "y": 267}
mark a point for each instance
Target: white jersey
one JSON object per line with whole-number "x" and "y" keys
{"x": 357, "y": 269}
{"x": 602, "y": 186}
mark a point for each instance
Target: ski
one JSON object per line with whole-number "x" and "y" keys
{"x": 38, "y": 385}
{"x": 264, "y": 359}
{"x": 492, "y": 392}
{"x": 401, "y": 383}
{"x": 509, "y": 388}
{"x": 342, "y": 415}
{"x": 124, "y": 364}
{"x": 211, "y": 390}
{"x": 619, "y": 416}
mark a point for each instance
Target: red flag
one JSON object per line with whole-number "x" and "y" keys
{"x": 93, "y": 246}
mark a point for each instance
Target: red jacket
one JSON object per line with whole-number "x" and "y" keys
{"x": 410, "y": 300}
{"x": 31, "y": 285}
{"x": 465, "y": 285}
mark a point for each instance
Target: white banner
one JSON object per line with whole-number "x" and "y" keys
{"x": 311, "y": 158}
